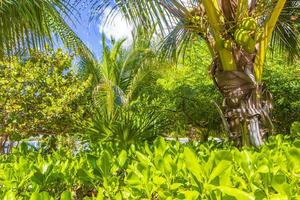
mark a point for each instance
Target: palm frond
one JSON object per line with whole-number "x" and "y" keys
{"x": 143, "y": 12}
{"x": 176, "y": 42}
{"x": 169, "y": 16}
{"x": 286, "y": 37}
{"x": 31, "y": 23}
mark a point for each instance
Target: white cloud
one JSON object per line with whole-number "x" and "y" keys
{"x": 117, "y": 28}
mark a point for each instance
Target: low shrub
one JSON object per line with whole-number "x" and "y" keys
{"x": 163, "y": 170}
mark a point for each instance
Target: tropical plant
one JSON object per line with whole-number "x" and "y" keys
{"x": 238, "y": 34}
{"x": 187, "y": 95}
{"x": 117, "y": 93}
{"x": 162, "y": 170}
{"x": 40, "y": 95}
{"x": 35, "y": 23}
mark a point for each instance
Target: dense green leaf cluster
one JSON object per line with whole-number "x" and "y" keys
{"x": 187, "y": 95}
{"x": 164, "y": 170}
{"x": 122, "y": 110}
{"x": 41, "y": 95}
{"x": 283, "y": 80}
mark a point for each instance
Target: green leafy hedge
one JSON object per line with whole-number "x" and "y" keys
{"x": 164, "y": 170}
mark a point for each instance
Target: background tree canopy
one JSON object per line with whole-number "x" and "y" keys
{"x": 41, "y": 95}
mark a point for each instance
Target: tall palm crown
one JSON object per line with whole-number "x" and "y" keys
{"x": 238, "y": 34}
{"x": 183, "y": 18}
{"x": 34, "y": 23}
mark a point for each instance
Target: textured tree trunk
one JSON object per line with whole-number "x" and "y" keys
{"x": 3, "y": 140}
{"x": 247, "y": 104}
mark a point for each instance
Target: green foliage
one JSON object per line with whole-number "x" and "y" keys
{"x": 41, "y": 95}
{"x": 136, "y": 123}
{"x": 187, "y": 94}
{"x": 122, "y": 113}
{"x": 35, "y": 24}
{"x": 284, "y": 83}
{"x": 164, "y": 170}
{"x": 295, "y": 129}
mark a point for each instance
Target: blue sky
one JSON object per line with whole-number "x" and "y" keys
{"x": 90, "y": 31}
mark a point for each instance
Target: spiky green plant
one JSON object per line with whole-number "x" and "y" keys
{"x": 117, "y": 80}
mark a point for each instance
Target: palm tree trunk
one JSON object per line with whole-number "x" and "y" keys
{"x": 247, "y": 104}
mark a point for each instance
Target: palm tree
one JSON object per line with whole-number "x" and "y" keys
{"x": 34, "y": 23}
{"x": 116, "y": 83}
{"x": 238, "y": 34}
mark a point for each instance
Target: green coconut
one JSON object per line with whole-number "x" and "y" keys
{"x": 242, "y": 36}
{"x": 249, "y": 23}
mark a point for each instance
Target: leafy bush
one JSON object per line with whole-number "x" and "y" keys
{"x": 41, "y": 95}
{"x": 187, "y": 95}
{"x": 164, "y": 170}
{"x": 283, "y": 80}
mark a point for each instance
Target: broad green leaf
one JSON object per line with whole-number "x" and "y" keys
{"x": 38, "y": 178}
{"x": 160, "y": 146}
{"x": 84, "y": 175}
{"x": 219, "y": 169}
{"x": 297, "y": 143}
{"x": 47, "y": 168}
{"x": 158, "y": 180}
{"x": 244, "y": 160}
{"x": 237, "y": 193}
{"x": 192, "y": 163}
{"x": 278, "y": 197}
{"x": 264, "y": 169}
{"x": 45, "y": 196}
{"x": 279, "y": 183}
{"x": 223, "y": 155}
{"x": 147, "y": 148}
{"x": 294, "y": 155}
{"x": 35, "y": 196}
{"x": 144, "y": 172}
{"x": 168, "y": 163}
{"x": 133, "y": 179}
{"x": 175, "y": 186}
{"x": 143, "y": 159}
{"x": 105, "y": 164}
{"x": 122, "y": 158}
{"x": 10, "y": 195}
{"x": 191, "y": 195}
{"x": 66, "y": 195}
